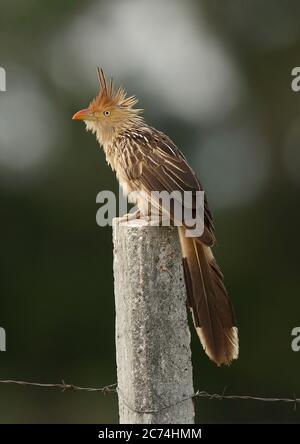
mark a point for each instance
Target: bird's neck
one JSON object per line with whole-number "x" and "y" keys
{"x": 107, "y": 136}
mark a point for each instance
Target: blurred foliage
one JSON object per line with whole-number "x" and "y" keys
{"x": 57, "y": 302}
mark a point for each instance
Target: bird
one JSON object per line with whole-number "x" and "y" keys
{"x": 147, "y": 160}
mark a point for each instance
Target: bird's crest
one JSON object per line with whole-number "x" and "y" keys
{"x": 108, "y": 96}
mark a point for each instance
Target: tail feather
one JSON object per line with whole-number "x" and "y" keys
{"x": 212, "y": 311}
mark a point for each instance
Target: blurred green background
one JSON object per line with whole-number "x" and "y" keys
{"x": 214, "y": 75}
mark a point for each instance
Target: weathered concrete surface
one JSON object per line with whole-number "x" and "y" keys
{"x": 152, "y": 334}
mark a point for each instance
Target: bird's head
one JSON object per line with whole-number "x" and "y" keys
{"x": 110, "y": 112}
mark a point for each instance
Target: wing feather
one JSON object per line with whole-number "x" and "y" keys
{"x": 160, "y": 166}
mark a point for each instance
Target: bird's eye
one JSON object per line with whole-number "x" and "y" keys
{"x": 106, "y": 113}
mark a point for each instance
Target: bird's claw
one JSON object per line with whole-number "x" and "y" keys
{"x": 128, "y": 217}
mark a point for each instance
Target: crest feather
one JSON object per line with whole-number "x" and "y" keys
{"x": 108, "y": 96}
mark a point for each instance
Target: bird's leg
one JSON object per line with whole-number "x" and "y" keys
{"x": 129, "y": 216}
{"x": 162, "y": 221}
{"x": 158, "y": 218}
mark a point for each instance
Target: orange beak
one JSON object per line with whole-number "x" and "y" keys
{"x": 83, "y": 114}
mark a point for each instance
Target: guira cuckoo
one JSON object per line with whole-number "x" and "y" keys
{"x": 146, "y": 160}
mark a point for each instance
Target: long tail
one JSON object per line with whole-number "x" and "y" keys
{"x": 212, "y": 311}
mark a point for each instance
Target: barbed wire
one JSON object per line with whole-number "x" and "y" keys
{"x": 113, "y": 388}
{"x": 63, "y": 386}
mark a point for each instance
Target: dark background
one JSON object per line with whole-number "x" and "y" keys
{"x": 214, "y": 75}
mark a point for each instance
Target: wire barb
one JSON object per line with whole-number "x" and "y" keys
{"x": 63, "y": 386}
{"x": 112, "y": 388}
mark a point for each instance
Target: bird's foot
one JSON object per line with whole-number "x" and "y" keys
{"x": 129, "y": 216}
{"x": 155, "y": 220}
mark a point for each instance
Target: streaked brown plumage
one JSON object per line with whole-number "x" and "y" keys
{"x": 146, "y": 160}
